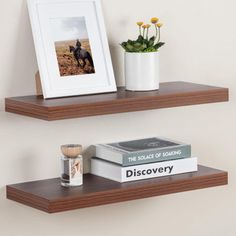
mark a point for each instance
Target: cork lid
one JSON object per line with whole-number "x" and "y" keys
{"x": 71, "y": 150}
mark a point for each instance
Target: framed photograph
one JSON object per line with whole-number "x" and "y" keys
{"x": 71, "y": 47}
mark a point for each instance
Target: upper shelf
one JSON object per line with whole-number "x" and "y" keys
{"x": 171, "y": 94}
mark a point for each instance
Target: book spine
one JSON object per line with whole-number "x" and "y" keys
{"x": 167, "y": 154}
{"x": 159, "y": 169}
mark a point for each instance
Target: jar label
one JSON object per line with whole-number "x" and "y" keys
{"x": 76, "y": 171}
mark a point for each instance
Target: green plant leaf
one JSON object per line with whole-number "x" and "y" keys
{"x": 151, "y": 42}
{"x": 140, "y": 39}
{"x": 130, "y": 42}
{"x": 150, "y": 49}
{"x": 145, "y": 41}
{"x": 143, "y": 47}
{"x": 130, "y": 47}
{"x": 137, "y": 44}
{"x": 158, "y": 45}
{"x": 153, "y": 38}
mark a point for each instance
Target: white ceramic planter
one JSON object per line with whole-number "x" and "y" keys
{"x": 142, "y": 71}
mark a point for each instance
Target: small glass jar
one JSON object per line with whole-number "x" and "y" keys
{"x": 72, "y": 165}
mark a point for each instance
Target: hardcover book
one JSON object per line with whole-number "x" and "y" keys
{"x": 122, "y": 174}
{"x": 143, "y": 151}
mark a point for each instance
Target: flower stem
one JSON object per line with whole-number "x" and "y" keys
{"x": 147, "y": 33}
{"x": 143, "y": 32}
{"x": 140, "y": 32}
{"x": 156, "y": 32}
{"x": 159, "y": 36}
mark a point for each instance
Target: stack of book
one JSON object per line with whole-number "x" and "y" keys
{"x": 142, "y": 159}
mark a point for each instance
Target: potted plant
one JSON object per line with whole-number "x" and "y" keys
{"x": 142, "y": 58}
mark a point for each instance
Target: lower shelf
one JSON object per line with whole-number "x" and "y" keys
{"x": 49, "y": 196}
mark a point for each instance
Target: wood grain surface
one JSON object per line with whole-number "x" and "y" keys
{"x": 49, "y": 196}
{"x": 172, "y": 94}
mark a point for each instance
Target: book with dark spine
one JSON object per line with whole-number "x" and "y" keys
{"x": 143, "y": 151}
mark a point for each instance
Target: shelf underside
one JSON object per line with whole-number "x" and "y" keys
{"x": 49, "y": 196}
{"x": 171, "y": 94}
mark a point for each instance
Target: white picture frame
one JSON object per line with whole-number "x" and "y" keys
{"x": 55, "y": 25}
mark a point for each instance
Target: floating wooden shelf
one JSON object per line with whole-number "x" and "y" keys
{"x": 49, "y": 196}
{"x": 172, "y": 94}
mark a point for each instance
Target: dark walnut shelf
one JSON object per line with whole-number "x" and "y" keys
{"x": 172, "y": 94}
{"x": 49, "y": 196}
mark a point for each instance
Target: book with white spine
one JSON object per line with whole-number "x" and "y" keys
{"x": 122, "y": 174}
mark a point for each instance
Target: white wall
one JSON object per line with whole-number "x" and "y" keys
{"x": 200, "y": 47}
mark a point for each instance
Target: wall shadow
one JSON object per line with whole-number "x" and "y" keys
{"x": 24, "y": 65}
{"x": 117, "y": 57}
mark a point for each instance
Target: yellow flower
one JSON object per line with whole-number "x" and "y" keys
{"x": 140, "y": 23}
{"x": 159, "y": 25}
{"x": 148, "y": 25}
{"x": 154, "y": 20}
{"x": 144, "y": 26}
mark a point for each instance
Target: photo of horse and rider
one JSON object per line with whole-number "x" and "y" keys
{"x": 72, "y": 46}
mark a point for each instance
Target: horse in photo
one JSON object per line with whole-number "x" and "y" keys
{"x": 81, "y": 55}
